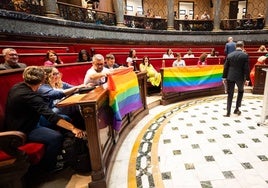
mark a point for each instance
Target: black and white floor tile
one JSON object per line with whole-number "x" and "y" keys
{"x": 191, "y": 145}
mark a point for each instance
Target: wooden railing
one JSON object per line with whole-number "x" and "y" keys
{"x": 103, "y": 140}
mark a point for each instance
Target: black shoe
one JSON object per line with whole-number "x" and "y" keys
{"x": 227, "y": 115}
{"x": 238, "y": 112}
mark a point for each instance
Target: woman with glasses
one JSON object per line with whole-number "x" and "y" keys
{"x": 54, "y": 89}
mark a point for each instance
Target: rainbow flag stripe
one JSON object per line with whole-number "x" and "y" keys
{"x": 189, "y": 78}
{"x": 124, "y": 94}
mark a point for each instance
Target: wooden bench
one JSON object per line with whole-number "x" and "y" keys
{"x": 260, "y": 77}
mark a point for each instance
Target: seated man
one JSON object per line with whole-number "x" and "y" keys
{"x": 110, "y": 62}
{"x": 96, "y": 75}
{"x": 11, "y": 59}
{"x": 23, "y": 110}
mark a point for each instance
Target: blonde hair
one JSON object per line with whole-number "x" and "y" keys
{"x": 261, "y": 59}
{"x": 49, "y": 77}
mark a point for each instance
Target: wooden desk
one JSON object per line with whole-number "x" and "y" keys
{"x": 103, "y": 140}
{"x": 260, "y": 76}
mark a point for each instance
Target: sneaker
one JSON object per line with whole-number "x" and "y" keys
{"x": 227, "y": 115}
{"x": 237, "y": 111}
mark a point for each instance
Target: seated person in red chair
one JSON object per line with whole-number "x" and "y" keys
{"x": 23, "y": 110}
{"x": 11, "y": 59}
{"x": 261, "y": 61}
{"x": 52, "y": 59}
{"x": 53, "y": 90}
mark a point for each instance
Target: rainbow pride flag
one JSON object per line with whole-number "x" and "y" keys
{"x": 124, "y": 94}
{"x": 189, "y": 78}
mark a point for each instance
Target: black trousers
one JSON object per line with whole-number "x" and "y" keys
{"x": 230, "y": 92}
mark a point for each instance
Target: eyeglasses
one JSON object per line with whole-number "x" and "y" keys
{"x": 56, "y": 73}
{"x": 13, "y": 54}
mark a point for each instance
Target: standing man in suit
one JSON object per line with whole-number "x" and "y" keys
{"x": 229, "y": 46}
{"x": 236, "y": 72}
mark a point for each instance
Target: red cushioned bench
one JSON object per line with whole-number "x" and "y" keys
{"x": 38, "y": 59}
{"x": 12, "y": 165}
{"x": 35, "y": 49}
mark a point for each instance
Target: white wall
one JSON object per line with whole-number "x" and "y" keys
{"x": 135, "y": 4}
{"x": 187, "y": 7}
{"x": 241, "y": 6}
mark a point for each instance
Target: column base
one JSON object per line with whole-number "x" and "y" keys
{"x": 52, "y": 15}
{"x": 120, "y": 24}
{"x": 216, "y": 30}
{"x": 170, "y": 28}
{"x": 265, "y": 27}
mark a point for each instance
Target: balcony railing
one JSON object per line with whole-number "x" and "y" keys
{"x": 145, "y": 23}
{"x": 80, "y": 14}
{"x": 32, "y": 7}
{"x": 242, "y": 24}
{"x": 193, "y": 25}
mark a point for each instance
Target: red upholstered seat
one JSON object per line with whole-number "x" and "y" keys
{"x": 35, "y": 151}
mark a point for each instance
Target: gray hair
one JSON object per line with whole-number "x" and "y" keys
{"x": 6, "y": 50}
{"x": 98, "y": 57}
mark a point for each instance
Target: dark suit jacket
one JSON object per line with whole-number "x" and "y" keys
{"x": 236, "y": 66}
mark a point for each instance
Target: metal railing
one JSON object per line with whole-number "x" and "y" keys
{"x": 145, "y": 23}
{"x": 80, "y": 14}
{"x": 28, "y": 6}
{"x": 242, "y": 24}
{"x": 86, "y": 15}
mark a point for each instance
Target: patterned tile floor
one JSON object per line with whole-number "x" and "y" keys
{"x": 191, "y": 145}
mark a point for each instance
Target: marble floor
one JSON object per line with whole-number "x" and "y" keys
{"x": 190, "y": 144}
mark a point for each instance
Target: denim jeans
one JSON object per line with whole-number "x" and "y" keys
{"x": 53, "y": 141}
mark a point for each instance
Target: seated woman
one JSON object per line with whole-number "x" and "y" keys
{"x": 132, "y": 59}
{"x": 53, "y": 90}
{"x": 261, "y": 61}
{"x": 154, "y": 77}
{"x": 262, "y": 48}
{"x": 202, "y": 59}
{"x": 52, "y": 59}
{"x": 84, "y": 56}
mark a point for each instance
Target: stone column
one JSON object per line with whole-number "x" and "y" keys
{"x": 51, "y": 8}
{"x": 266, "y": 17}
{"x": 119, "y": 11}
{"x": 170, "y": 10}
{"x": 217, "y": 18}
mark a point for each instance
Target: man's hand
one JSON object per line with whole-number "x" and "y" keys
{"x": 78, "y": 133}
